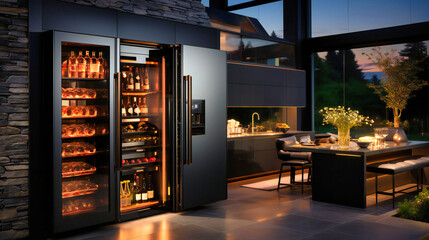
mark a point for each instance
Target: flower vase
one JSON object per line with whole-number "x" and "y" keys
{"x": 344, "y": 138}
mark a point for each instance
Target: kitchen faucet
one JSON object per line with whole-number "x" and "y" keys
{"x": 253, "y": 121}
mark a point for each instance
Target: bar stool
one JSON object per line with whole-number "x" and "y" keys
{"x": 293, "y": 160}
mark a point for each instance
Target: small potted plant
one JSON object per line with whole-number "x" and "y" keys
{"x": 344, "y": 120}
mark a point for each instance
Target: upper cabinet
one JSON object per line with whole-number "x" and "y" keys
{"x": 258, "y": 85}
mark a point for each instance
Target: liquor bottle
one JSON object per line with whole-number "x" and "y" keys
{"x": 146, "y": 80}
{"x": 101, "y": 63}
{"x": 93, "y": 66}
{"x": 129, "y": 108}
{"x": 130, "y": 81}
{"x": 65, "y": 69}
{"x": 138, "y": 195}
{"x": 122, "y": 194}
{"x": 143, "y": 107}
{"x": 88, "y": 65}
{"x": 123, "y": 110}
{"x": 136, "y": 109}
{"x": 72, "y": 66}
{"x": 150, "y": 192}
{"x": 81, "y": 66}
{"x": 144, "y": 190}
{"x": 137, "y": 82}
{"x": 124, "y": 81}
{"x": 127, "y": 193}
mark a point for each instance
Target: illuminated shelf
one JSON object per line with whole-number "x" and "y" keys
{"x": 136, "y": 93}
{"x": 84, "y": 117}
{"x": 90, "y": 136}
{"x": 83, "y": 98}
{"x": 83, "y": 79}
{"x": 139, "y": 206}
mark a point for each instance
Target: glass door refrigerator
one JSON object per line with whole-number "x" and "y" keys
{"x": 142, "y": 165}
{"x": 83, "y": 131}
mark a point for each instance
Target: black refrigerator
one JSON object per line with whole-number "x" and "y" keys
{"x": 137, "y": 129}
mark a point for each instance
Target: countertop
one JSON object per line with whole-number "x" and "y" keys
{"x": 266, "y": 134}
{"x": 355, "y": 150}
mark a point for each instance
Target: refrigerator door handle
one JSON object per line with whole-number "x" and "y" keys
{"x": 117, "y": 99}
{"x": 188, "y": 117}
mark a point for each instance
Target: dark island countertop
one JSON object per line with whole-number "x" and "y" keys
{"x": 355, "y": 150}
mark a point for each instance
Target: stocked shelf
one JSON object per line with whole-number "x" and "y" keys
{"x": 139, "y": 206}
{"x": 78, "y": 188}
{"x": 140, "y": 145}
{"x": 84, "y": 154}
{"x": 88, "y": 136}
{"x": 135, "y": 154}
{"x": 138, "y": 117}
{"x": 84, "y": 79}
{"x": 83, "y": 98}
{"x": 140, "y": 133}
{"x": 139, "y": 165}
{"x": 138, "y": 93}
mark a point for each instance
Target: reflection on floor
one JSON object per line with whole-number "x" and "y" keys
{"x": 256, "y": 214}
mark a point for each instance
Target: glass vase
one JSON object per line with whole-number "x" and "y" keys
{"x": 344, "y": 138}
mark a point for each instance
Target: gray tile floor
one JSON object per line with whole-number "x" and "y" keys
{"x": 255, "y": 214}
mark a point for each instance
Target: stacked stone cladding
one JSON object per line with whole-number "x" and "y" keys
{"x": 186, "y": 11}
{"x": 14, "y": 127}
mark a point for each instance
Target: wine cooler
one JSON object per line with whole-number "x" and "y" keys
{"x": 142, "y": 124}
{"x": 137, "y": 129}
{"x": 83, "y": 131}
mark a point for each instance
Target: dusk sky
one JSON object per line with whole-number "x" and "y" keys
{"x": 367, "y": 66}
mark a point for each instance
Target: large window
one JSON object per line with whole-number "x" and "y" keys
{"x": 247, "y": 49}
{"x": 342, "y": 78}
{"x": 343, "y": 16}
{"x": 270, "y": 16}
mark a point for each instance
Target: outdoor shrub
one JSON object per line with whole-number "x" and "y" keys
{"x": 418, "y": 209}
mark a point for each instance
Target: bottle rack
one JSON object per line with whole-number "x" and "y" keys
{"x": 141, "y": 144}
{"x": 85, "y": 123}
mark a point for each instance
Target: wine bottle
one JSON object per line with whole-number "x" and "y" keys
{"x": 150, "y": 192}
{"x": 93, "y": 66}
{"x": 144, "y": 191}
{"x": 146, "y": 80}
{"x": 130, "y": 86}
{"x": 87, "y": 65}
{"x": 138, "y": 189}
{"x": 143, "y": 108}
{"x": 136, "y": 109}
{"x": 123, "y": 110}
{"x": 72, "y": 73}
{"x": 81, "y": 66}
{"x": 129, "y": 108}
{"x": 65, "y": 68}
{"x": 124, "y": 81}
{"x": 101, "y": 63}
{"x": 137, "y": 81}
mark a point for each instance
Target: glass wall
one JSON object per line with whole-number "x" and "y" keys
{"x": 342, "y": 78}
{"x": 270, "y": 16}
{"x": 246, "y": 49}
{"x": 343, "y": 16}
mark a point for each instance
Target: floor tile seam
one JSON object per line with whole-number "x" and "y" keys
{"x": 406, "y": 223}
{"x": 216, "y": 230}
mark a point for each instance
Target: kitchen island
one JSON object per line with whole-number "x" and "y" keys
{"x": 340, "y": 177}
{"x": 252, "y": 155}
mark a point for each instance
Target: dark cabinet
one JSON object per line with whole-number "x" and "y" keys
{"x": 257, "y": 85}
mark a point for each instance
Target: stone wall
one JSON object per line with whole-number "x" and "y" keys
{"x": 187, "y": 11}
{"x": 13, "y": 119}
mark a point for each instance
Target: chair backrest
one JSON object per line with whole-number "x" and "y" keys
{"x": 282, "y": 143}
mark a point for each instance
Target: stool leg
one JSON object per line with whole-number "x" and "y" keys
{"x": 280, "y": 177}
{"x": 302, "y": 179}
{"x": 418, "y": 180}
{"x": 376, "y": 188}
{"x": 292, "y": 174}
{"x": 393, "y": 191}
